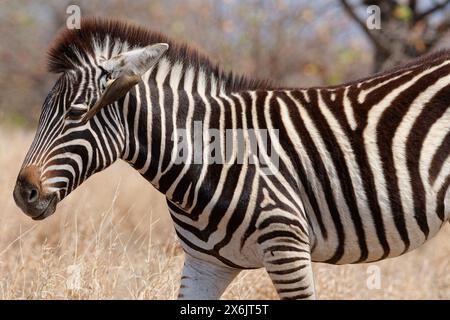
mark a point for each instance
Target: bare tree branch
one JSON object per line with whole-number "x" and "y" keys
{"x": 350, "y": 11}
{"x": 413, "y": 7}
{"x": 441, "y": 30}
{"x": 431, "y": 10}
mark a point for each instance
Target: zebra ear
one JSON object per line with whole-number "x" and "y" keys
{"x": 135, "y": 62}
{"x": 126, "y": 70}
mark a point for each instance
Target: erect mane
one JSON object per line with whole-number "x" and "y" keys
{"x": 71, "y": 46}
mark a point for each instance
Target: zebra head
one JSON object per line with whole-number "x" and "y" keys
{"x": 80, "y": 129}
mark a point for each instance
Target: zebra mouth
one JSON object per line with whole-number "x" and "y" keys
{"x": 49, "y": 210}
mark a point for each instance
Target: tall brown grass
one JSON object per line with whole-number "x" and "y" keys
{"x": 112, "y": 239}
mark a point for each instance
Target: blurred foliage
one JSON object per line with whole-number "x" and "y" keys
{"x": 403, "y": 12}
{"x": 408, "y": 28}
{"x": 293, "y": 42}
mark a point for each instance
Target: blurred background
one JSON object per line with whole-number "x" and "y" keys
{"x": 293, "y": 42}
{"x": 112, "y": 238}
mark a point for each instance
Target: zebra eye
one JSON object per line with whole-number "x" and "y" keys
{"x": 76, "y": 111}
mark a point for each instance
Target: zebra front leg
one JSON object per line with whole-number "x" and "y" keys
{"x": 203, "y": 280}
{"x": 287, "y": 260}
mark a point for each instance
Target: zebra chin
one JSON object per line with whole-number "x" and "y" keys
{"x": 50, "y": 208}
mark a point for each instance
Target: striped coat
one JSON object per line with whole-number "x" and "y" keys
{"x": 347, "y": 174}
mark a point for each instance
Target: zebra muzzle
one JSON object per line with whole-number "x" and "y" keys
{"x": 29, "y": 196}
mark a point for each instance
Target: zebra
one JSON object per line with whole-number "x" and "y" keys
{"x": 362, "y": 171}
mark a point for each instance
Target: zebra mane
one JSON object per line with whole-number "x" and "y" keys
{"x": 72, "y": 46}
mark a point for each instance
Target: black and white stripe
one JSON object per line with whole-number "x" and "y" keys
{"x": 363, "y": 169}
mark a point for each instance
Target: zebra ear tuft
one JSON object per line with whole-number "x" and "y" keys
{"x": 135, "y": 62}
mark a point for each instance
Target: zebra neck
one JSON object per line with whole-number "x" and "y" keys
{"x": 171, "y": 102}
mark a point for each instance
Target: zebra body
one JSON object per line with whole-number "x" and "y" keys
{"x": 362, "y": 171}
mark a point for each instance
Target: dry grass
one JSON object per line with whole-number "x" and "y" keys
{"x": 112, "y": 239}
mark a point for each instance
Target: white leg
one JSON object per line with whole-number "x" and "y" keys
{"x": 202, "y": 280}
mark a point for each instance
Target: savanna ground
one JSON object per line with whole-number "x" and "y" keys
{"x": 113, "y": 239}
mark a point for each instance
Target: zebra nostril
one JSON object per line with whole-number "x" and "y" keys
{"x": 32, "y": 195}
